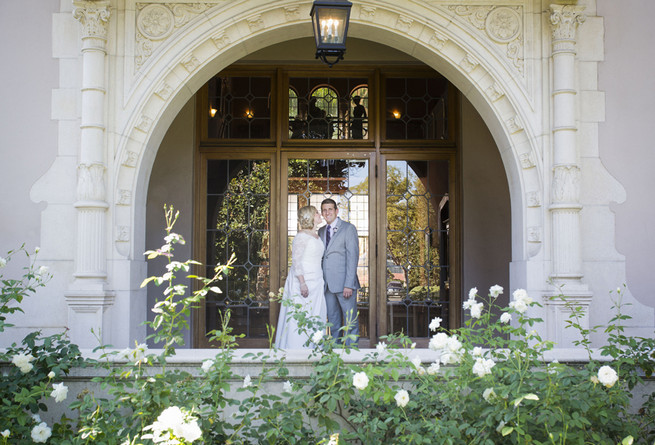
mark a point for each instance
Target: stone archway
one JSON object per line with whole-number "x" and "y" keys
{"x": 463, "y": 44}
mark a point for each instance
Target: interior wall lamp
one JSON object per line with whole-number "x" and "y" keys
{"x": 330, "y": 20}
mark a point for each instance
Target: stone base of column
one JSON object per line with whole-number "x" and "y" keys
{"x": 88, "y": 320}
{"x": 559, "y": 310}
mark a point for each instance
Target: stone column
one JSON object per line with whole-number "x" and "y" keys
{"x": 88, "y": 297}
{"x": 565, "y": 204}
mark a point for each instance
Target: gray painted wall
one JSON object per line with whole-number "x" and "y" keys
{"x": 171, "y": 183}
{"x": 627, "y": 148}
{"x": 486, "y": 211}
{"x": 28, "y": 136}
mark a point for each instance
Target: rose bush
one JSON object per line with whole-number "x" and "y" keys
{"x": 489, "y": 384}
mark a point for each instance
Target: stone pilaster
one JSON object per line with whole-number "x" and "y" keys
{"x": 565, "y": 204}
{"x": 88, "y": 297}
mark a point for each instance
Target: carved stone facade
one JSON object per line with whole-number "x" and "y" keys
{"x": 529, "y": 70}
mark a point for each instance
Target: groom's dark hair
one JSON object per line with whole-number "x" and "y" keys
{"x": 329, "y": 201}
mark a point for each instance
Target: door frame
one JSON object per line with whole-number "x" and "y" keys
{"x": 370, "y": 156}
{"x": 454, "y": 234}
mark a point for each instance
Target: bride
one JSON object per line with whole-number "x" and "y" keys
{"x": 304, "y": 283}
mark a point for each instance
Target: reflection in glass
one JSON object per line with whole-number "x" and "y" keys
{"x": 346, "y": 181}
{"x": 324, "y": 108}
{"x": 238, "y": 215}
{"x": 417, "y": 245}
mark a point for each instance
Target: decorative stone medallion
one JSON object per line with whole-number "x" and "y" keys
{"x": 156, "y": 22}
{"x": 503, "y": 24}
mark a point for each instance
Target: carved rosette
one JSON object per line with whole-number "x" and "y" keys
{"x": 90, "y": 182}
{"x": 565, "y": 20}
{"x": 156, "y": 22}
{"x": 94, "y": 17}
{"x": 502, "y": 24}
{"x": 566, "y": 184}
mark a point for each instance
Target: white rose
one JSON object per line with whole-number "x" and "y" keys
{"x": 287, "y": 387}
{"x": 41, "y": 433}
{"x": 247, "y": 381}
{"x": 207, "y": 365}
{"x": 316, "y": 338}
{"x": 190, "y": 431}
{"x": 59, "y": 392}
{"x": 435, "y": 323}
{"x": 51, "y": 375}
{"x": 5, "y": 433}
{"x": 472, "y": 293}
{"x": 360, "y": 380}
{"x": 453, "y": 344}
{"x": 519, "y": 306}
{"x": 607, "y": 376}
{"x": 483, "y": 366}
{"x": 381, "y": 347}
{"x": 438, "y": 341}
{"x": 506, "y": 317}
{"x": 42, "y": 270}
{"x": 476, "y": 310}
{"x": 22, "y": 361}
{"x": 489, "y": 395}
{"x": 3, "y": 262}
{"x": 495, "y": 290}
{"x": 477, "y": 351}
{"x": 416, "y": 361}
{"x": 402, "y": 398}
{"x": 434, "y": 368}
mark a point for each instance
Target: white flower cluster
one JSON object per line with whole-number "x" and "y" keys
{"x": 482, "y": 366}
{"x": 449, "y": 346}
{"x": 472, "y": 304}
{"x": 137, "y": 355}
{"x": 174, "y": 238}
{"x": 521, "y": 301}
{"x": 174, "y": 426}
{"x": 23, "y": 362}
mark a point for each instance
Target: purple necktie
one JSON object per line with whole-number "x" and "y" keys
{"x": 327, "y": 235}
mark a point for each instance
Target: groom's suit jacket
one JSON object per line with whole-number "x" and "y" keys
{"x": 341, "y": 257}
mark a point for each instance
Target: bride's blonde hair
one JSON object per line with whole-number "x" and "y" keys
{"x": 306, "y": 217}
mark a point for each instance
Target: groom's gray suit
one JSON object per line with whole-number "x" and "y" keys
{"x": 340, "y": 270}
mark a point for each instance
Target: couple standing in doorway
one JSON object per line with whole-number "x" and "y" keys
{"x": 323, "y": 276}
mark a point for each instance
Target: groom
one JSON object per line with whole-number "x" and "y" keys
{"x": 340, "y": 271}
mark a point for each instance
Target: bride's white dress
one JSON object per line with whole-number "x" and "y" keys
{"x": 306, "y": 257}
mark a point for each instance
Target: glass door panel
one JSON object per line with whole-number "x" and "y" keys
{"x": 310, "y": 181}
{"x": 238, "y": 223}
{"x": 417, "y": 245}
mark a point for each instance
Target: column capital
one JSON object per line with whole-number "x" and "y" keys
{"x": 94, "y": 17}
{"x": 565, "y": 20}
